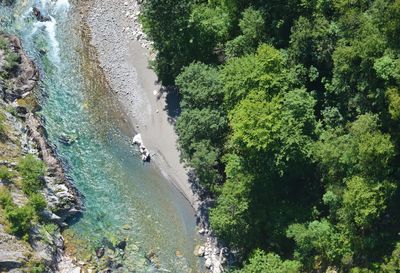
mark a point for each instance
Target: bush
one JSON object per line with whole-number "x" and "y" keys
{"x": 32, "y": 171}
{"x": 37, "y": 202}
{"x": 35, "y": 267}
{"x": 5, "y": 198}
{"x": 20, "y": 219}
{"x": 12, "y": 61}
{"x": 2, "y": 124}
{"x": 5, "y": 173}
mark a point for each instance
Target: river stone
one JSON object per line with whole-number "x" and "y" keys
{"x": 100, "y": 252}
{"x": 121, "y": 245}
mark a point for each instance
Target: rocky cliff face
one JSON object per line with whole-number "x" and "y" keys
{"x": 22, "y": 134}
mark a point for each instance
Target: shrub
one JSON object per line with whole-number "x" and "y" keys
{"x": 5, "y": 173}
{"x": 20, "y": 219}
{"x": 35, "y": 267}
{"x": 37, "y": 202}
{"x": 5, "y": 198}
{"x": 12, "y": 61}
{"x": 2, "y": 124}
{"x": 32, "y": 171}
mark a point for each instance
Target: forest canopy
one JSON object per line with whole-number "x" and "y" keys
{"x": 290, "y": 119}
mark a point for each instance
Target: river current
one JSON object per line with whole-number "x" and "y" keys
{"x": 123, "y": 197}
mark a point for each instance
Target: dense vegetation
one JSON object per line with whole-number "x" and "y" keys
{"x": 20, "y": 219}
{"x": 290, "y": 117}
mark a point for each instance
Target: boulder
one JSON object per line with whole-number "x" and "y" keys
{"x": 13, "y": 252}
{"x": 39, "y": 16}
{"x": 100, "y": 252}
{"x": 10, "y": 260}
{"x": 66, "y": 139}
{"x": 121, "y": 245}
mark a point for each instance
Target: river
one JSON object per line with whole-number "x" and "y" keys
{"x": 124, "y": 198}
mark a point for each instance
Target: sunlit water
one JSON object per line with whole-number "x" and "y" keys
{"x": 123, "y": 197}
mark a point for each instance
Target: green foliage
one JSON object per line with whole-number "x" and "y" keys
{"x": 229, "y": 218}
{"x": 32, "y": 172}
{"x": 20, "y": 220}
{"x": 12, "y": 60}
{"x": 205, "y": 161}
{"x": 262, "y": 71}
{"x": 201, "y": 132}
{"x": 196, "y": 125}
{"x": 393, "y": 97}
{"x": 361, "y": 149}
{"x": 387, "y": 68}
{"x": 34, "y": 266}
{"x": 298, "y": 139}
{"x": 364, "y": 202}
{"x": 37, "y": 202}
{"x": 214, "y": 22}
{"x": 2, "y": 124}
{"x": 199, "y": 87}
{"x": 5, "y": 173}
{"x": 392, "y": 264}
{"x": 319, "y": 242}
{"x": 5, "y": 198}
{"x": 284, "y": 126}
{"x": 251, "y": 26}
{"x": 393, "y": 23}
{"x": 3, "y": 43}
{"x": 261, "y": 262}
{"x": 177, "y": 41}
{"x": 258, "y": 133}
{"x": 312, "y": 42}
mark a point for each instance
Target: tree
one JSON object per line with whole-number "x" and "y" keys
{"x": 261, "y": 262}
{"x": 361, "y": 149}
{"x": 200, "y": 87}
{"x": 205, "y": 161}
{"x": 213, "y": 22}
{"x": 262, "y": 72}
{"x": 364, "y": 201}
{"x": 320, "y": 244}
{"x": 284, "y": 127}
{"x": 230, "y": 217}
{"x": 251, "y": 26}
{"x": 393, "y": 97}
{"x": 166, "y": 23}
{"x": 259, "y": 133}
{"x": 196, "y": 125}
{"x": 312, "y": 43}
{"x": 392, "y": 264}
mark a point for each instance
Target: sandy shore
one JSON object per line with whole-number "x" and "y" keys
{"x": 123, "y": 55}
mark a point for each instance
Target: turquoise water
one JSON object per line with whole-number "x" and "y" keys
{"x": 124, "y": 198}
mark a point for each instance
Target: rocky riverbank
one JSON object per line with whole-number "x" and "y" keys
{"x": 24, "y": 134}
